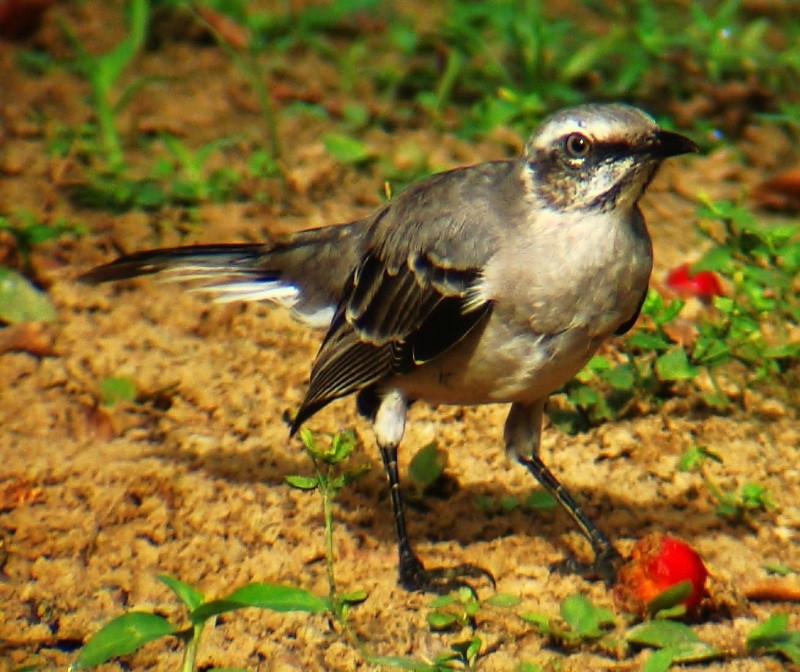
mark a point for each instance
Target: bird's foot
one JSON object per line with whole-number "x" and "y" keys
{"x": 415, "y": 577}
{"x": 604, "y": 567}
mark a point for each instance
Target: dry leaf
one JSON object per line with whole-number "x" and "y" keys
{"x": 19, "y": 491}
{"x": 227, "y": 29}
{"x": 30, "y": 337}
{"x": 780, "y": 192}
{"x": 98, "y": 423}
{"x": 774, "y": 590}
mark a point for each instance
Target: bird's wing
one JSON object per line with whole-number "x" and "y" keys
{"x": 414, "y": 294}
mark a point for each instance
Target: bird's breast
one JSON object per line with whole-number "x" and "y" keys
{"x": 557, "y": 295}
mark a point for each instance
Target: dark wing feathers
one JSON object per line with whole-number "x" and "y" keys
{"x": 389, "y": 321}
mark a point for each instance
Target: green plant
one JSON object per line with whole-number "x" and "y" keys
{"x": 186, "y": 176}
{"x": 128, "y": 633}
{"x": 328, "y": 480}
{"x": 774, "y": 636}
{"x": 117, "y": 388}
{"x": 580, "y": 622}
{"x": 676, "y": 643}
{"x": 538, "y": 500}
{"x": 460, "y": 609}
{"x": 735, "y": 506}
{"x": 28, "y": 231}
{"x": 103, "y": 72}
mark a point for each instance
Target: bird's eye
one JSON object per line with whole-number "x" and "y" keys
{"x": 577, "y": 146}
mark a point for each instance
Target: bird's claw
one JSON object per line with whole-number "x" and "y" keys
{"x": 604, "y": 566}
{"x": 414, "y": 576}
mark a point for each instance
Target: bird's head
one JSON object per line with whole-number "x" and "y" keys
{"x": 597, "y": 157}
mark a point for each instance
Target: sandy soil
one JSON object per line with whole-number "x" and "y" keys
{"x": 189, "y": 480}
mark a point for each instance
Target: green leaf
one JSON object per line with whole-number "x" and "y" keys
{"x": 539, "y": 500}
{"x": 427, "y": 466}
{"x": 648, "y": 341}
{"x": 263, "y": 596}
{"x": 504, "y": 600}
{"x": 773, "y": 636}
{"x": 121, "y": 636}
{"x": 695, "y": 456}
{"x": 346, "y": 149}
{"x": 356, "y": 597}
{"x": 540, "y": 621}
{"x": 670, "y": 598}
{"x": 442, "y": 620}
{"x": 779, "y": 569}
{"x": 303, "y": 482}
{"x": 278, "y": 598}
{"x": 191, "y": 597}
{"x": 621, "y": 377}
{"x": 660, "y": 661}
{"x": 674, "y": 365}
{"x": 214, "y": 608}
{"x": 585, "y": 618}
{"x": 692, "y": 652}
{"x": 114, "y": 389}
{"x": 469, "y": 649}
{"x": 20, "y": 301}
{"x": 441, "y": 601}
{"x": 400, "y": 663}
{"x": 661, "y": 634}
{"x": 525, "y": 666}
{"x": 716, "y": 259}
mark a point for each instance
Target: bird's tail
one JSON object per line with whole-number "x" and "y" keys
{"x": 304, "y": 272}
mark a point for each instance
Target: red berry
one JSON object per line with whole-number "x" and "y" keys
{"x": 659, "y": 562}
{"x": 704, "y": 284}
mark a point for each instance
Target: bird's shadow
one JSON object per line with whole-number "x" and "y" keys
{"x": 457, "y": 517}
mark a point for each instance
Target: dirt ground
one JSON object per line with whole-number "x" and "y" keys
{"x": 190, "y": 480}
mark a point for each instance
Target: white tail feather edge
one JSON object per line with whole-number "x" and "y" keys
{"x": 244, "y": 288}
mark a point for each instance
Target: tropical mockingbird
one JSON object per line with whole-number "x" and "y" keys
{"x": 493, "y": 283}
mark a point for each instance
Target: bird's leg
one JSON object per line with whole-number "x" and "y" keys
{"x": 522, "y": 434}
{"x": 389, "y": 425}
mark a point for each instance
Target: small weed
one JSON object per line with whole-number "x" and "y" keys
{"x": 538, "y": 500}
{"x": 103, "y": 71}
{"x": 426, "y": 468}
{"x": 676, "y": 643}
{"x": 773, "y": 636}
{"x": 460, "y": 609}
{"x": 28, "y": 231}
{"x": 780, "y": 569}
{"x": 128, "y": 633}
{"x": 580, "y": 622}
{"x": 328, "y": 480}
{"x": 736, "y": 506}
{"x": 460, "y": 656}
{"x": 114, "y": 389}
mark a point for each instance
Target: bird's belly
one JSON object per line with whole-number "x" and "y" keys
{"x": 496, "y": 365}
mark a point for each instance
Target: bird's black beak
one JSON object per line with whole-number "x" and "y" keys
{"x": 664, "y": 144}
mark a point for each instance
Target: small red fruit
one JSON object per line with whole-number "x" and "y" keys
{"x": 659, "y": 562}
{"x": 703, "y": 285}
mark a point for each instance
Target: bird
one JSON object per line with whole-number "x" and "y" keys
{"x": 493, "y": 283}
